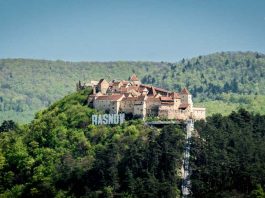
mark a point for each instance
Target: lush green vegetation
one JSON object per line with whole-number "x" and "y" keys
{"x": 26, "y": 86}
{"x": 214, "y": 74}
{"x": 60, "y": 154}
{"x": 228, "y": 159}
{"x": 227, "y": 103}
{"x": 221, "y": 82}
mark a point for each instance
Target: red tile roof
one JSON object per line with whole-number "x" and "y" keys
{"x": 143, "y": 85}
{"x": 141, "y": 98}
{"x": 183, "y": 106}
{"x": 152, "y": 98}
{"x": 175, "y": 95}
{"x": 185, "y": 91}
{"x": 129, "y": 99}
{"x": 127, "y": 95}
{"x": 141, "y": 88}
{"x": 136, "y": 88}
{"x": 167, "y": 103}
{"x": 116, "y": 83}
{"x": 134, "y": 78}
{"x": 161, "y": 90}
{"x": 125, "y": 82}
{"x": 123, "y": 89}
{"x": 166, "y": 98}
{"x": 153, "y": 91}
{"x": 110, "y": 97}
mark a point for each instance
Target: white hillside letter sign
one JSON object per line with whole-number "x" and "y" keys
{"x": 108, "y": 119}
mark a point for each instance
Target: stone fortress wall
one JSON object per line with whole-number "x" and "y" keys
{"x": 139, "y": 100}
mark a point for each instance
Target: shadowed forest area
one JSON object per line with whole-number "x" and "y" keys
{"x": 228, "y": 159}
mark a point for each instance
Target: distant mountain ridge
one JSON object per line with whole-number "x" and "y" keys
{"x": 208, "y": 76}
{"x": 27, "y": 85}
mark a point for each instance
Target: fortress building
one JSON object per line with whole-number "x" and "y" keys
{"x": 139, "y": 100}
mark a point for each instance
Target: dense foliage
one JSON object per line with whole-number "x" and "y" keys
{"x": 211, "y": 75}
{"x": 60, "y": 154}
{"x": 8, "y": 125}
{"x": 228, "y": 159}
{"x": 231, "y": 79}
{"x": 26, "y": 86}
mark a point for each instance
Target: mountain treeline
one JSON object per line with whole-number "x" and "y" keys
{"x": 60, "y": 154}
{"x": 209, "y": 76}
{"x": 26, "y": 86}
{"x": 228, "y": 158}
{"x": 232, "y": 79}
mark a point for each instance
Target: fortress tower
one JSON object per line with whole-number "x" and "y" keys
{"x": 186, "y": 97}
{"x": 134, "y": 79}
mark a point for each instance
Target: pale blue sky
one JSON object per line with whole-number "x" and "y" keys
{"x": 103, "y": 30}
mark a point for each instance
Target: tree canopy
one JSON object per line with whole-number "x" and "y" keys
{"x": 60, "y": 154}
{"x": 228, "y": 158}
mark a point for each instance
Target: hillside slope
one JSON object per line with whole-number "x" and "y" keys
{"x": 228, "y": 159}
{"x": 27, "y": 86}
{"x": 214, "y": 74}
{"x": 60, "y": 154}
{"x": 221, "y": 82}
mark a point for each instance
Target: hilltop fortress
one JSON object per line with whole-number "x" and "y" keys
{"x": 139, "y": 100}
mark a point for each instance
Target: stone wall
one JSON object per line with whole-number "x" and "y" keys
{"x": 139, "y": 109}
{"x": 107, "y": 106}
{"x": 152, "y": 107}
{"x": 126, "y": 106}
{"x": 199, "y": 113}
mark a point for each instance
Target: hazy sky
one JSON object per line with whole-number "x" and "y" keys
{"x": 164, "y": 30}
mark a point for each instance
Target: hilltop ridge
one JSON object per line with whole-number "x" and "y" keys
{"x": 61, "y": 154}
{"x": 233, "y": 79}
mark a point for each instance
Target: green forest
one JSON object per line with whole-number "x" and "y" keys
{"x": 228, "y": 158}
{"x": 232, "y": 80}
{"x": 27, "y": 86}
{"x": 60, "y": 154}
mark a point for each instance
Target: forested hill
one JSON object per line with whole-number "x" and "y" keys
{"x": 27, "y": 86}
{"x": 60, "y": 154}
{"x": 209, "y": 76}
{"x": 228, "y": 159}
{"x": 232, "y": 79}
